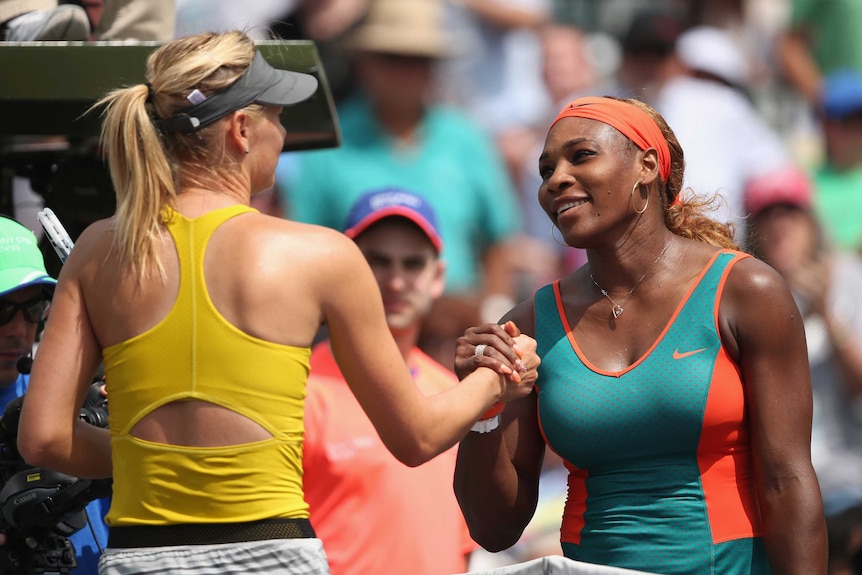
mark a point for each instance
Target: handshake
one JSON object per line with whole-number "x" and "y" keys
{"x": 503, "y": 349}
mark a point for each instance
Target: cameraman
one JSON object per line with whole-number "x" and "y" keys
{"x": 25, "y": 294}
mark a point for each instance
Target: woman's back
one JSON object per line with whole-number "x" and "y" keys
{"x": 248, "y": 260}
{"x": 228, "y": 373}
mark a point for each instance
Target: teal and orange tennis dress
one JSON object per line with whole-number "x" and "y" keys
{"x": 660, "y": 470}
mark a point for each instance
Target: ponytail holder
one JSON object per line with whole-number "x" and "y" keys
{"x": 149, "y": 93}
{"x": 677, "y": 201}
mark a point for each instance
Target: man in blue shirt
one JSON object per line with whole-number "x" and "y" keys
{"x": 25, "y": 294}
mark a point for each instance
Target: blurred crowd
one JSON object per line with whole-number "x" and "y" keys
{"x": 451, "y": 99}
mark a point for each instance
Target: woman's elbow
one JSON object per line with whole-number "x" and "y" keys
{"x": 412, "y": 453}
{"x": 413, "y": 457}
{"x": 493, "y": 527}
{"x": 36, "y": 450}
{"x": 494, "y": 538}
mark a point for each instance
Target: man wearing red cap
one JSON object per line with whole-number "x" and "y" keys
{"x": 373, "y": 514}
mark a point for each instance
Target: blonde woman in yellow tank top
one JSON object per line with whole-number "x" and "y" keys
{"x": 203, "y": 312}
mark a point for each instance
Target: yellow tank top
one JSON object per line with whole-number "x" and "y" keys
{"x": 194, "y": 353}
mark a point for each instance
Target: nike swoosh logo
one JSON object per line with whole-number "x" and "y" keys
{"x": 678, "y": 355}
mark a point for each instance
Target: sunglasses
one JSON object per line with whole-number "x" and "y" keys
{"x": 34, "y": 311}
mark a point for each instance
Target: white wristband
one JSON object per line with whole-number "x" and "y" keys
{"x": 486, "y": 425}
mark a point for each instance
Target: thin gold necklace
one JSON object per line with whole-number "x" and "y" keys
{"x": 618, "y": 309}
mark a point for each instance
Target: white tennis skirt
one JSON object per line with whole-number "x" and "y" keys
{"x": 302, "y": 556}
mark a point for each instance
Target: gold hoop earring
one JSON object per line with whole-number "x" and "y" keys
{"x": 632, "y": 199}
{"x": 553, "y": 237}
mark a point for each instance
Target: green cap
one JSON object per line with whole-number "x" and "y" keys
{"x": 21, "y": 261}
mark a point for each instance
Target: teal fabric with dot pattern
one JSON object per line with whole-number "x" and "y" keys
{"x": 634, "y": 443}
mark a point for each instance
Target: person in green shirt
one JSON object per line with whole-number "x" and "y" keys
{"x": 838, "y": 181}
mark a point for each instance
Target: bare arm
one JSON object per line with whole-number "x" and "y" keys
{"x": 815, "y": 280}
{"x": 760, "y": 319}
{"x": 497, "y": 473}
{"x": 336, "y": 285}
{"x": 507, "y": 17}
{"x": 799, "y": 66}
{"x": 52, "y": 435}
{"x": 414, "y": 428}
{"x": 329, "y": 19}
{"x": 847, "y": 346}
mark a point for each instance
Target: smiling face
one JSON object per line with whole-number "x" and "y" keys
{"x": 588, "y": 170}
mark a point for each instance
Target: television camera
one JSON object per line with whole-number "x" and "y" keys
{"x": 40, "y": 509}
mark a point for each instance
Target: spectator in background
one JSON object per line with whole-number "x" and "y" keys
{"x": 374, "y": 514}
{"x": 647, "y": 54}
{"x": 822, "y": 37}
{"x": 42, "y": 20}
{"x": 826, "y": 284}
{"x": 495, "y": 74}
{"x": 196, "y": 16}
{"x": 137, "y": 20}
{"x": 394, "y": 133}
{"x": 46, "y": 20}
{"x": 727, "y": 141}
{"x": 323, "y": 21}
{"x": 567, "y": 72}
{"x": 567, "y": 67}
{"x": 838, "y": 180}
{"x": 326, "y": 22}
{"x": 26, "y": 290}
{"x": 845, "y": 542}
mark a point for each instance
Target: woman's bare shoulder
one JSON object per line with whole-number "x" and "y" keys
{"x": 298, "y": 238}
{"x": 96, "y": 240}
{"x": 756, "y": 295}
{"x": 279, "y": 244}
{"x": 97, "y": 231}
{"x": 752, "y": 278}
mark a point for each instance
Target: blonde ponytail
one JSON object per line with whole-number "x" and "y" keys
{"x": 148, "y": 167}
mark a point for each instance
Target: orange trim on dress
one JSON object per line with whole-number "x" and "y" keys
{"x": 727, "y": 479}
{"x": 728, "y": 505}
{"x": 568, "y": 329}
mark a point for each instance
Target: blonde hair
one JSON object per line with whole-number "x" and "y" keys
{"x": 688, "y": 218}
{"x": 146, "y": 166}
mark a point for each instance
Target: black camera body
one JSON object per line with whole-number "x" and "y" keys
{"x": 40, "y": 509}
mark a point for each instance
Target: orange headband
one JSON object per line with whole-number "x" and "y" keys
{"x": 630, "y": 120}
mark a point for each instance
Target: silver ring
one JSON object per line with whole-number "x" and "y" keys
{"x": 480, "y": 349}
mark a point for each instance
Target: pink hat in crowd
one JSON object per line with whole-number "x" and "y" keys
{"x": 789, "y": 185}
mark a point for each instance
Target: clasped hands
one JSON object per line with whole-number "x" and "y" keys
{"x": 503, "y": 349}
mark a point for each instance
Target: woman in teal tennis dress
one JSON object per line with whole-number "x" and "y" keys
{"x": 674, "y": 379}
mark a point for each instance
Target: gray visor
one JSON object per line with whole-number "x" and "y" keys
{"x": 261, "y": 83}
